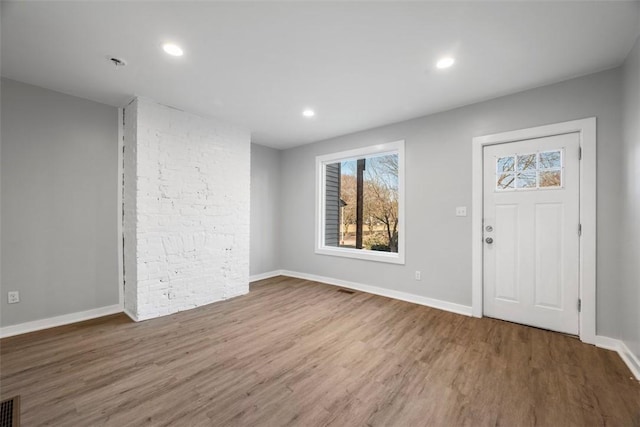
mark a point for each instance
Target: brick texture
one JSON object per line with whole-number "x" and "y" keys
{"x": 186, "y": 225}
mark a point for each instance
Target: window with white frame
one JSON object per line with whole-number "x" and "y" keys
{"x": 360, "y": 203}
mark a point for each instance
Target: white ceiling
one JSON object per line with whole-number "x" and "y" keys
{"x": 358, "y": 64}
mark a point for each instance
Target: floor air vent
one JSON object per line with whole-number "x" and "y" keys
{"x": 346, "y": 291}
{"x": 10, "y": 412}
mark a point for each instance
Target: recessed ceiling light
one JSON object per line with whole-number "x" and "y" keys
{"x": 445, "y": 62}
{"x": 308, "y": 113}
{"x": 172, "y": 49}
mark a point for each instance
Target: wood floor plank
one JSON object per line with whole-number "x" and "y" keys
{"x": 298, "y": 353}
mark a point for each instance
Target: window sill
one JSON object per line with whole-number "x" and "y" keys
{"x": 388, "y": 257}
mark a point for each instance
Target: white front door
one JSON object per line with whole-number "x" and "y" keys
{"x": 531, "y": 232}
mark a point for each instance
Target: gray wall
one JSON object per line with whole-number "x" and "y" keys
{"x": 630, "y": 286}
{"x": 59, "y": 203}
{"x": 266, "y": 207}
{"x": 438, "y": 177}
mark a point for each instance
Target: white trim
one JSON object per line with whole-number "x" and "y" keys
{"x": 587, "y": 130}
{"x": 619, "y": 346}
{"x": 606, "y": 342}
{"x": 379, "y": 149}
{"x": 131, "y": 315}
{"x": 630, "y": 359}
{"x": 267, "y": 275}
{"x": 120, "y": 187}
{"x": 52, "y": 322}
{"x": 368, "y": 255}
{"x": 389, "y": 293}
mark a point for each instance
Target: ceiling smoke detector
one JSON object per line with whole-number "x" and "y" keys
{"x": 118, "y": 62}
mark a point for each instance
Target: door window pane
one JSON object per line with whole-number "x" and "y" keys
{"x": 550, "y": 179}
{"x": 529, "y": 171}
{"x": 526, "y": 180}
{"x": 527, "y": 162}
{"x": 505, "y": 181}
{"x": 504, "y": 164}
{"x": 550, "y": 160}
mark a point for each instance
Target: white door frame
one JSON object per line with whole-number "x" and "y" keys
{"x": 587, "y": 130}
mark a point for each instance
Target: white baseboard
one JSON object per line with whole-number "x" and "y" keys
{"x": 267, "y": 275}
{"x": 621, "y": 348}
{"x": 389, "y": 293}
{"x": 131, "y": 315}
{"x": 52, "y": 322}
{"x": 630, "y": 359}
{"x": 608, "y": 343}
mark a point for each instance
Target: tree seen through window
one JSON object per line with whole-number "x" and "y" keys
{"x": 367, "y": 208}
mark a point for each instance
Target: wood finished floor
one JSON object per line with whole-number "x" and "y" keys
{"x": 299, "y": 353}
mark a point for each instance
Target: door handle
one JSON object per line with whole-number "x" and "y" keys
{"x": 489, "y": 240}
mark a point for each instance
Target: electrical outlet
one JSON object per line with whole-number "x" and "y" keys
{"x": 461, "y": 211}
{"x": 13, "y": 297}
{"x": 418, "y": 275}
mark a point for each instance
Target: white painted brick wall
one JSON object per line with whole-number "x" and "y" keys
{"x": 192, "y": 192}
